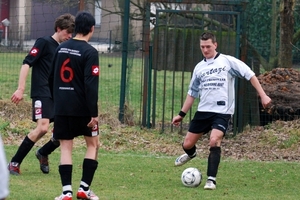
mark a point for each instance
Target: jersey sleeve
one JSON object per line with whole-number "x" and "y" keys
{"x": 194, "y": 86}
{"x": 239, "y": 68}
{"x": 91, "y": 81}
{"x": 35, "y": 52}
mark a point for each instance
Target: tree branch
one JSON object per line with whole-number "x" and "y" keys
{"x": 257, "y": 55}
{"x": 296, "y": 37}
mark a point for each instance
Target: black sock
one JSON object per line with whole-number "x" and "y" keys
{"x": 49, "y": 147}
{"x": 89, "y": 167}
{"x": 213, "y": 161}
{"x": 190, "y": 152}
{"x": 23, "y": 150}
{"x": 65, "y": 172}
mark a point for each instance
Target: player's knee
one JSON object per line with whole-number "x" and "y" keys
{"x": 214, "y": 142}
{"x": 43, "y": 130}
{"x": 187, "y": 144}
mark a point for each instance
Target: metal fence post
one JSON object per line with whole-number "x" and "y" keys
{"x": 124, "y": 58}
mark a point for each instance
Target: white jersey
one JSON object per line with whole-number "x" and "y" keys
{"x": 4, "y": 176}
{"x": 213, "y": 82}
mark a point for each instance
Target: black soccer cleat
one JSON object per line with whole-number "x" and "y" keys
{"x": 44, "y": 164}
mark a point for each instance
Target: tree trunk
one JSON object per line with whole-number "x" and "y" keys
{"x": 286, "y": 33}
{"x": 273, "y": 52}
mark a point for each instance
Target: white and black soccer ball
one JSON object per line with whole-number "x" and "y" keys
{"x": 191, "y": 177}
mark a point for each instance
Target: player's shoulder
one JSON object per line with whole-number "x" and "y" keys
{"x": 45, "y": 40}
{"x": 90, "y": 48}
{"x": 226, "y": 56}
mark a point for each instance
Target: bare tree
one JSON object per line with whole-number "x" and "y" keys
{"x": 286, "y": 32}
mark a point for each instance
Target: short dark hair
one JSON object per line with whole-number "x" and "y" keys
{"x": 84, "y": 21}
{"x": 207, "y": 36}
{"x": 65, "y": 21}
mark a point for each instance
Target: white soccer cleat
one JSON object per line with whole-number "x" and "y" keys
{"x": 209, "y": 185}
{"x": 67, "y": 196}
{"x": 87, "y": 195}
{"x": 184, "y": 158}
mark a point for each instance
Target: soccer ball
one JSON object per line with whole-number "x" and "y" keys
{"x": 191, "y": 177}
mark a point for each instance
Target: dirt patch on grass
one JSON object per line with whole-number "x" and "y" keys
{"x": 277, "y": 141}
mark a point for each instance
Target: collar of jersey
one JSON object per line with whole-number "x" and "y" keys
{"x": 214, "y": 57}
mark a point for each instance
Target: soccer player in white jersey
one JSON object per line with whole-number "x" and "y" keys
{"x": 213, "y": 81}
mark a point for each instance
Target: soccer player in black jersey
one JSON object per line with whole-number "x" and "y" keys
{"x": 39, "y": 59}
{"x": 75, "y": 78}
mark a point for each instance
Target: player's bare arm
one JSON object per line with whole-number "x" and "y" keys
{"x": 265, "y": 99}
{"x": 18, "y": 94}
{"x": 185, "y": 108}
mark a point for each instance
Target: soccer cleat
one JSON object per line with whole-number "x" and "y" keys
{"x": 67, "y": 196}
{"x": 209, "y": 185}
{"x": 44, "y": 165}
{"x": 14, "y": 168}
{"x": 86, "y": 195}
{"x": 184, "y": 158}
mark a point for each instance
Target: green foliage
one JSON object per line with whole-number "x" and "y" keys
{"x": 258, "y": 18}
{"x": 292, "y": 140}
{"x": 12, "y": 128}
{"x": 4, "y": 125}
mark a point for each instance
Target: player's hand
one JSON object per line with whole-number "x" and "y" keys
{"x": 265, "y": 101}
{"x": 176, "y": 120}
{"x": 17, "y": 96}
{"x": 93, "y": 122}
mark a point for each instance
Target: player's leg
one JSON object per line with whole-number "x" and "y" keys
{"x": 65, "y": 169}
{"x": 213, "y": 158}
{"x": 89, "y": 167}
{"x": 26, "y": 145}
{"x": 90, "y": 162}
{"x": 189, "y": 147}
{"x": 63, "y": 132}
{"x": 220, "y": 125}
{"x": 198, "y": 126}
{"x": 43, "y": 153}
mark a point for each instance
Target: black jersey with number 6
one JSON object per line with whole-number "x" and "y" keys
{"x": 75, "y": 79}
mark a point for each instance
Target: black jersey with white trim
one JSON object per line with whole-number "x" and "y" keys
{"x": 76, "y": 79}
{"x": 39, "y": 59}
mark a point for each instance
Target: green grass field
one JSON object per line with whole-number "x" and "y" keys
{"x": 135, "y": 175}
{"x": 136, "y": 163}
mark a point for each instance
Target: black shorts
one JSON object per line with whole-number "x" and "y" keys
{"x": 69, "y": 127}
{"x": 203, "y": 122}
{"x": 45, "y": 110}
